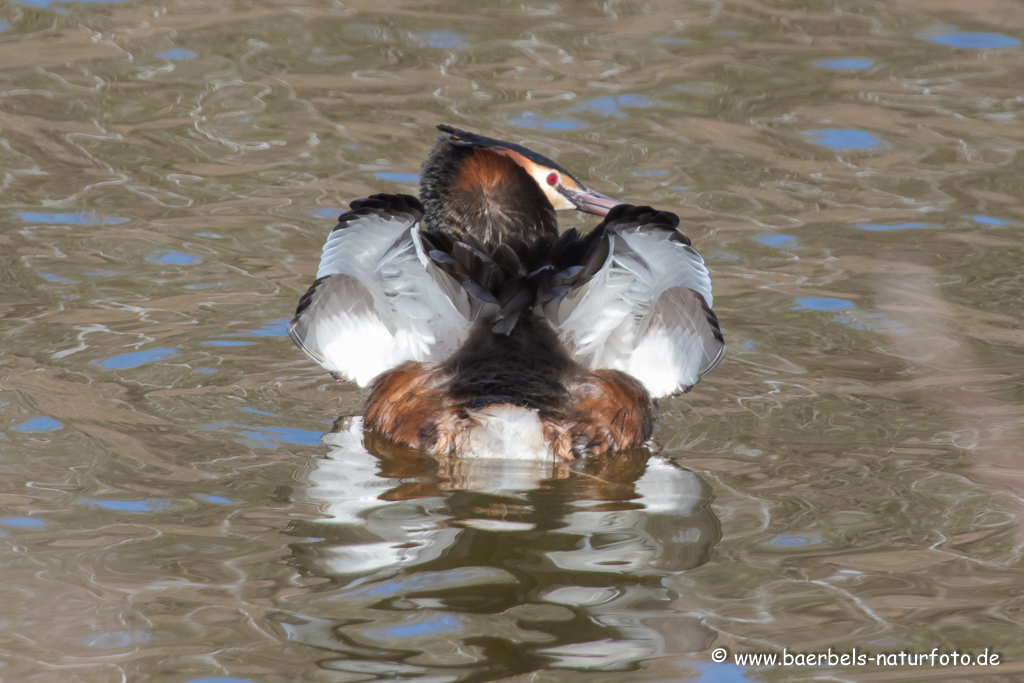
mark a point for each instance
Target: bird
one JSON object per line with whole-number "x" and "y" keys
{"x": 482, "y": 330}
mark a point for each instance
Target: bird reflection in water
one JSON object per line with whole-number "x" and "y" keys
{"x": 454, "y": 567}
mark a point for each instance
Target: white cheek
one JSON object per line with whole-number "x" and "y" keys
{"x": 558, "y": 200}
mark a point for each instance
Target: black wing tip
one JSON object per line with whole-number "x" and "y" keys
{"x": 305, "y": 300}
{"x": 711, "y": 317}
{"x": 403, "y": 202}
{"x": 646, "y": 218}
{"x": 387, "y": 204}
{"x": 715, "y": 361}
{"x": 642, "y": 214}
{"x": 299, "y": 340}
{"x": 716, "y": 332}
{"x": 298, "y": 335}
{"x": 293, "y": 332}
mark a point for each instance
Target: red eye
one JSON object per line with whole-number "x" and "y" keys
{"x": 552, "y": 179}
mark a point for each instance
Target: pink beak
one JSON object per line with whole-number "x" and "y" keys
{"x": 590, "y": 201}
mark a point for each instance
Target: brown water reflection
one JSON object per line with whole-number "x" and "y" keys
{"x": 849, "y": 475}
{"x": 471, "y": 568}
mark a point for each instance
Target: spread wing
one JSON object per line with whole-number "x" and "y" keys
{"x": 647, "y": 309}
{"x": 378, "y": 300}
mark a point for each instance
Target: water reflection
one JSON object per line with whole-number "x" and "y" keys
{"x": 841, "y": 139}
{"x": 531, "y": 119}
{"x": 845, "y": 64}
{"x": 453, "y": 564}
{"x": 177, "y": 54}
{"x": 82, "y": 218}
{"x": 862, "y": 440}
{"x": 777, "y": 240}
{"x": 879, "y": 227}
{"x": 974, "y": 41}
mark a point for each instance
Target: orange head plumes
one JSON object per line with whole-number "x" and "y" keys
{"x": 499, "y": 192}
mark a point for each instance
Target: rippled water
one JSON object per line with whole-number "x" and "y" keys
{"x": 185, "y": 497}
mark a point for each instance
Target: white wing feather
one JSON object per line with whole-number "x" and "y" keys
{"x": 641, "y": 314}
{"x": 376, "y": 303}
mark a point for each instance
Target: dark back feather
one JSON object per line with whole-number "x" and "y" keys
{"x": 504, "y": 285}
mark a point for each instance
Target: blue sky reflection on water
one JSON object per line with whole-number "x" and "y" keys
{"x": 397, "y": 177}
{"x": 40, "y": 424}
{"x": 889, "y": 227}
{"x": 177, "y": 54}
{"x": 274, "y": 328}
{"x": 118, "y": 505}
{"x": 973, "y": 41}
{"x": 710, "y": 672}
{"x": 845, "y": 64}
{"x": 776, "y": 239}
{"x": 988, "y": 220}
{"x": 431, "y": 624}
{"x": 226, "y": 342}
{"x": 673, "y": 40}
{"x": 173, "y": 258}
{"x": 277, "y": 328}
{"x": 444, "y": 40}
{"x": 529, "y": 119}
{"x": 822, "y": 303}
{"x": 126, "y": 361}
{"x": 845, "y": 138}
{"x": 22, "y": 522}
{"x": 270, "y": 437}
{"x": 612, "y": 105}
{"x": 214, "y": 500}
{"x": 81, "y": 218}
{"x": 795, "y": 540}
{"x": 327, "y": 212}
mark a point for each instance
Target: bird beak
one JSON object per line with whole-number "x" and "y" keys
{"x": 589, "y": 201}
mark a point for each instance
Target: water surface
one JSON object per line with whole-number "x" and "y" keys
{"x": 186, "y": 497}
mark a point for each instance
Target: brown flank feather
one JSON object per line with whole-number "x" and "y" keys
{"x": 606, "y": 410}
{"x": 405, "y": 405}
{"x": 611, "y": 412}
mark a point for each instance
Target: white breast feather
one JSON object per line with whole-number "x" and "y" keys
{"x": 507, "y": 432}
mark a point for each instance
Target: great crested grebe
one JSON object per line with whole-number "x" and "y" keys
{"x": 487, "y": 333}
